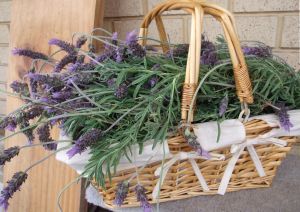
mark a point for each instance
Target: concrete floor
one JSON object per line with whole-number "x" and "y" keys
{"x": 282, "y": 196}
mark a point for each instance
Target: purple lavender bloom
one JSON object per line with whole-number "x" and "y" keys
{"x": 284, "y": 118}
{"x": 119, "y": 55}
{"x": 259, "y": 51}
{"x": 84, "y": 141}
{"x": 29, "y": 132}
{"x": 114, "y": 36}
{"x": 74, "y": 67}
{"x": 63, "y": 45}
{"x": 180, "y": 50}
{"x": 80, "y": 41}
{"x": 8, "y": 154}
{"x": 81, "y": 79}
{"x": 20, "y": 87}
{"x": 153, "y": 81}
{"x": 203, "y": 153}
{"x": 142, "y": 198}
{"x": 34, "y": 112}
{"x": 111, "y": 82}
{"x": 121, "y": 193}
{"x": 64, "y": 61}
{"x": 208, "y": 53}
{"x": 29, "y": 53}
{"x": 44, "y": 136}
{"x": 62, "y": 95}
{"x": 131, "y": 38}
{"x": 8, "y": 123}
{"x": 12, "y": 186}
{"x": 121, "y": 91}
{"x": 223, "y": 106}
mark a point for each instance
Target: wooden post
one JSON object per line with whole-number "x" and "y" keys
{"x": 33, "y": 23}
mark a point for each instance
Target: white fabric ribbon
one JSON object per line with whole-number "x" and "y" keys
{"x": 237, "y": 149}
{"x": 190, "y": 156}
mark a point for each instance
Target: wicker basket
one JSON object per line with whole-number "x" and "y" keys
{"x": 181, "y": 181}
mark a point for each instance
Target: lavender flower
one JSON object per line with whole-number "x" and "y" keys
{"x": 44, "y": 136}
{"x": 119, "y": 55}
{"x": 8, "y": 123}
{"x": 180, "y": 50}
{"x": 74, "y": 67}
{"x": 29, "y": 53}
{"x": 63, "y": 45}
{"x": 153, "y": 81}
{"x": 121, "y": 91}
{"x": 84, "y": 141}
{"x": 208, "y": 53}
{"x": 131, "y": 38}
{"x": 62, "y": 95}
{"x": 28, "y": 132}
{"x": 81, "y": 79}
{"x": 20, "y": 88}
{"x": 111, "y": 82}
{"x": 142, "y": 198}
{"x": 284, "y": 118}
{"x": 114, "y": 38}
{"x": 259, "y": 51}
{"x": 80, "y": 59}
{"x": 121, "y": 192}
{"x": 64, "y": 61}
{"x": 13, "y": 185}
{"x": 223, "y": 106}
{"x": 80, "y": 41}
{"x": 8, "y": 154}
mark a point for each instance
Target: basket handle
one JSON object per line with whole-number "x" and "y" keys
{"x": 197, "y": 9}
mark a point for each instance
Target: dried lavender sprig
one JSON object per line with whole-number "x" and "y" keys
{"x": 121, "y": 192}
{"x": 63, "y": 45}
{"x": 13, "y": 185}
{"x": 284, "y": 118}
{"x": 142, "y": 198}
{"x": 223, "y": 106}
{"x": 8, "y": 154}
{"x": 84, "y": 141}
{"x": 29, "y": 53}
{"x": 44, "y": 137}
{"x": 80, "y": 41}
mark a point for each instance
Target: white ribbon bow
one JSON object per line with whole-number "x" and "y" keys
{"x": 191, "y": 156}
{"x": 237, "y": 149}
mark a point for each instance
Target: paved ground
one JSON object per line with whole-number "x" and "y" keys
{"x": 283, "y": 196}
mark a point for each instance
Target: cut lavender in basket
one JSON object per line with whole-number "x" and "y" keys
{"x": 284, "y": 118}
{"x": 13, "y": 185}
{"x": 85, "y": 141}
{"x": 8, "y": 154}
{"x": 43, "y": 133}
{"x": 29, "y": 53}
{"x": 141, "y": 197}
{"x": 121, "y": 193}
{"x": 208, "y": 53}
{"x": 223, "y": 106}
{"x": 259, "y": 51}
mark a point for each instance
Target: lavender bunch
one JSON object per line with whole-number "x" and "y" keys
{"x": 134, "y": 47}
{"x": 85, "y": 141}
{"x": 8, "y": 154}
{"x": 44, "y": 137}
{"x": 259, "y": 51}
{"x": 12, "y": 186}
{"x": 284, "y": 118}
{"x": 121, "y": 192}
{"x": 29, "y": 53}
{"x": 142, "y": 198}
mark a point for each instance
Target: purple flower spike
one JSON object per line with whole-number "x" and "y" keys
{"x": 121, "y": 192}
{"x": 29, "y": 53}
{"x": 20, "y": 87}
{"x": 131, "y": 38}
{"x": 63, "y": 45}
{"x": 84, "y": 141}
{"x": 259, "y": 51}
{"x": 142, "y": 198}
{"x": 12, "y": 186}
{"x": 111, "y": 82}
{"x": 223, "y": 106}
{"x": 208, "y": 53}
{"x": 65, "y": 61}
{"x": 44, "y": 136}
{"x": 62, "y": 95}
{"x": 8, "y": 154}
{"x": 80, "y": 41}
{"x": 284, "y": 118}
{"x": 122, "y": 91}
{"x": 9, "y": 123}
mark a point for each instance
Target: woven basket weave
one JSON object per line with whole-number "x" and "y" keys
{"x": 181, "y": 181}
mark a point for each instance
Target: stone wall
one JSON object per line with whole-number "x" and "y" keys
{"x": 275, "y": 22}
